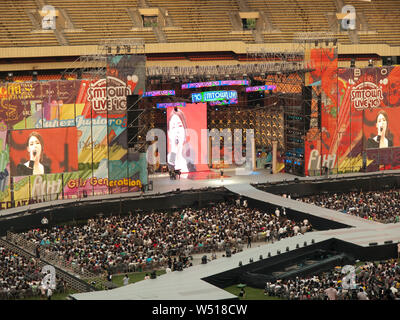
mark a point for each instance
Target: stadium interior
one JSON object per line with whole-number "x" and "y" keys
{"x": 112, "y": 203}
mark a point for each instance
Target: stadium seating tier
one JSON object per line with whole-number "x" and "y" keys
{"x": 193, "y": 21}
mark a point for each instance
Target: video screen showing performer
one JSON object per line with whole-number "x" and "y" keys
{"x": 382, "y": 138}
{"x": 35, "y": 164}
{"x": 184, "y": 127}
{"x": 181, "y": 155}
{"x": 43, "y": 151}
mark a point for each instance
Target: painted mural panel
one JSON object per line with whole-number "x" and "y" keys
{"x": 80, "y": 147}
{"x": 365, "y": 134}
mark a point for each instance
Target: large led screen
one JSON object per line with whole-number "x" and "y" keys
{"x": 381, "y": 129}
{"x": 43, "y": 151}
{"x": 184, "y": 126}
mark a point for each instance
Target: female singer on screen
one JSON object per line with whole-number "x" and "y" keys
{"x": 34, "y": 165}
{"x": 181, "y": 156}
{"x": 384, "y": 138}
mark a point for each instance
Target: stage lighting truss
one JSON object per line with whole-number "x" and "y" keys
{"x": 122, "y": 46}
{"x": 316, "y": 38}
{"x": 94, "y": 66}
{"x": 187, "y": 73}
{"x": 267, "y": 124}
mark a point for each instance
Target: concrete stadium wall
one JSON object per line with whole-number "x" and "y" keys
{"x": 238, "y": 47}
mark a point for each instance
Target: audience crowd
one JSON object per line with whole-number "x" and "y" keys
{"x": 119, "y": 244}
{"x": 381, "y": 206}
{"x": 373, "y": 281}
{"x": 21, "y": 277}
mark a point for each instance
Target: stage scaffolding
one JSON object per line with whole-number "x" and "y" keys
{"x": 94, "y": 66}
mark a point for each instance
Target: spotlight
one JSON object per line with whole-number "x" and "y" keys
{"x": 251, "y": 260}
{"x": 370, "y": 64}
{"x": 297, "y": 246}
{"x": 269, "y": 254}
{"x": 305, "y": 243}
{"x": 389, "y": 61}
{"x": 278, "y": 252}
{"x": 240, "y": 263}
{"x": 287, "y": 249}
{"x": 312, "y": 241}
{"x": 261, "y": 257}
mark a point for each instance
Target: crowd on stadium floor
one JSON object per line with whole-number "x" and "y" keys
{"x": 373, "y": 281}
{"x": 381, "y": 206}
{"x": 119, "y": 244}
{"x": 21, "y": 277}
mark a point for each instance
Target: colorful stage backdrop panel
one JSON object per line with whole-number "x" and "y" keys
{"x": 5, "y": 193}
{"x": 320, "y": 145}
{"x": 83, "y": 126}
{"x": 363, "y": 133}
{"x": 125, "y": 76}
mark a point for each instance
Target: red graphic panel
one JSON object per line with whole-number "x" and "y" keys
{"x": 41, "y": 151}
